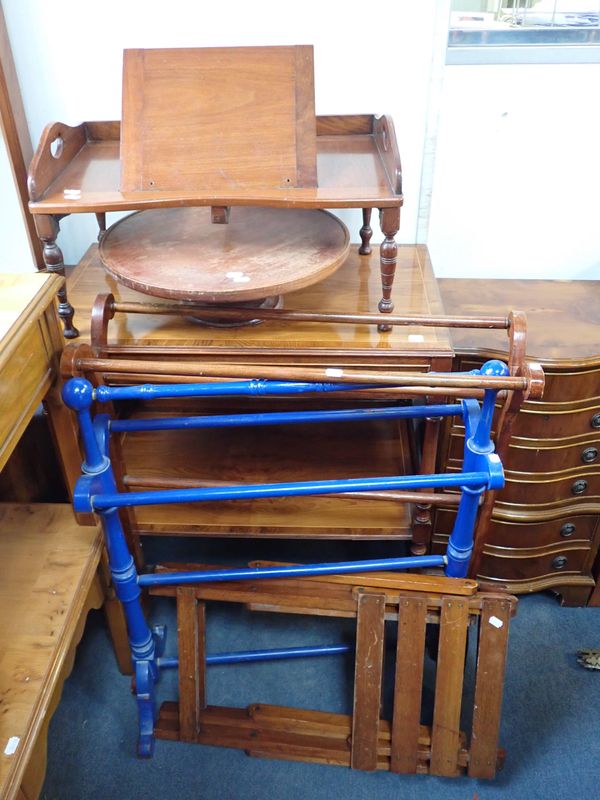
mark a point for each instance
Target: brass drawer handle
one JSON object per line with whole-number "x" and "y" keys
{"x": 595, "y": 421}
{"x": 559, "y": 562}
{"x": 589, "y": 454}
{"x": 579, "y": 487}
{"x": 568, "y": 529}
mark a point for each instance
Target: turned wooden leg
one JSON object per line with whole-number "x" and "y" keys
{"x": 47, "y": 229}
{"x": 388, "y": 252}
{"x": 421, "y": 522}
{"x": 101, "y": 220}
{"x": 365, "y": 233}
{"x": 422, "y": 512}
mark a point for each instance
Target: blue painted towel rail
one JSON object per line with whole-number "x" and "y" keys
{"x": 96, "y": 491}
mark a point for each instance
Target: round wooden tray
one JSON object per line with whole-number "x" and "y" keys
{"x": 181, "y": 254}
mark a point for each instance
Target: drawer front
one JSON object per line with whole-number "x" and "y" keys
{"x": 540, "y": 421}
{"x": 561, "y": 386}
{"x": 539, "y": 455}
{"x": 551, "y": 490}
{"x": 571, "y": 386}
{"x": 539, "y": 492}
{"x": 577, "y": 528}
{"x": 24, "y": 380}
{"x": 514, "y": 567}
{"x": 530, "y": 564}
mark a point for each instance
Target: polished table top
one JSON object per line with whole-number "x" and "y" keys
{"x": 353, "y": 288}
{"x": 563, "y": 317}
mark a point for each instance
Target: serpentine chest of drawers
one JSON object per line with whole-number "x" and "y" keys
{"x": 545, "y": 529}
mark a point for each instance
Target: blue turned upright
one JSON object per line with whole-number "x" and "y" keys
{"x": 97, "y": 491}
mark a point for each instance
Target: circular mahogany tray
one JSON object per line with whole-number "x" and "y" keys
{"x": 181, "y": 254}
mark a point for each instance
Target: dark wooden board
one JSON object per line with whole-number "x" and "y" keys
{"x": 368, "y": 678}
{"x": 410, "y": 654}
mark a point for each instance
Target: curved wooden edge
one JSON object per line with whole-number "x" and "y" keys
{"x": 531, "y": 585}
{"x": 35, "y": 770}
{"x": 384, "y": 135}
{"x": 505, "y": 513}
{"x": 517, "y": 339}
{"x": 102, "y": 312}
{"x": 44, "y": 166}
{"x": 534, "y": 373}
{"x": 293, "y": 282}
{"x": 71, "y": 356}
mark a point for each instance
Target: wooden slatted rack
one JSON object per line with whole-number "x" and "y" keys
{"x": 363, "y": 740}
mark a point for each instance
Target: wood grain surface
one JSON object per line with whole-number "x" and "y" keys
{"x": 408, "y": 684}
{"x": 491, "y": 660}
{"x": 365, "y": 741}
{"x": 561, "y": 316}
{"x": 179, "y": 253}
{"x": 445, "y": 733}
{"x": 354, "y": 287}
{"x": 47, "y": 566}
{"x": 368, "y": 680}
{"x": 218, "y": 117}
{"x": 28, "y": 351}
{"x": 350, "y": 173}
{"x": 190, "y": 638}
{"x": 280, "y": 453}
{"x": 544, "y": 532}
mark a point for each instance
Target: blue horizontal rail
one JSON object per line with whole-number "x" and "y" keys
{"x": 273, "y": 654}
{"x": 147, "y": 391}
{"x": 285, "y": 417}
{"x": 101, "y": 502}
{"x": 289, "y": 571}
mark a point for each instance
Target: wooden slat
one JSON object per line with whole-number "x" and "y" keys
{"x": 410, "y": 654}
{"x": 445, "y": 737}
{"x": 491, "y": 659}
{"x": 368, "y": 676}
{"x": 190, "y": 700}
{"x": 290, "y": 733}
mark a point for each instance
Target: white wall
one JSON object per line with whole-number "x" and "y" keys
{"x": 15, "y": 255}
{"x": 368, "y": 59}
{"x": 517, "y": 171}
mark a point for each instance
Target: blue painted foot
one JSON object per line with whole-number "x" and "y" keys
{"x": 147, "y": 713}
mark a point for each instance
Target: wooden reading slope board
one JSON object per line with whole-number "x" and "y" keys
{"x": 223, "y": 117}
